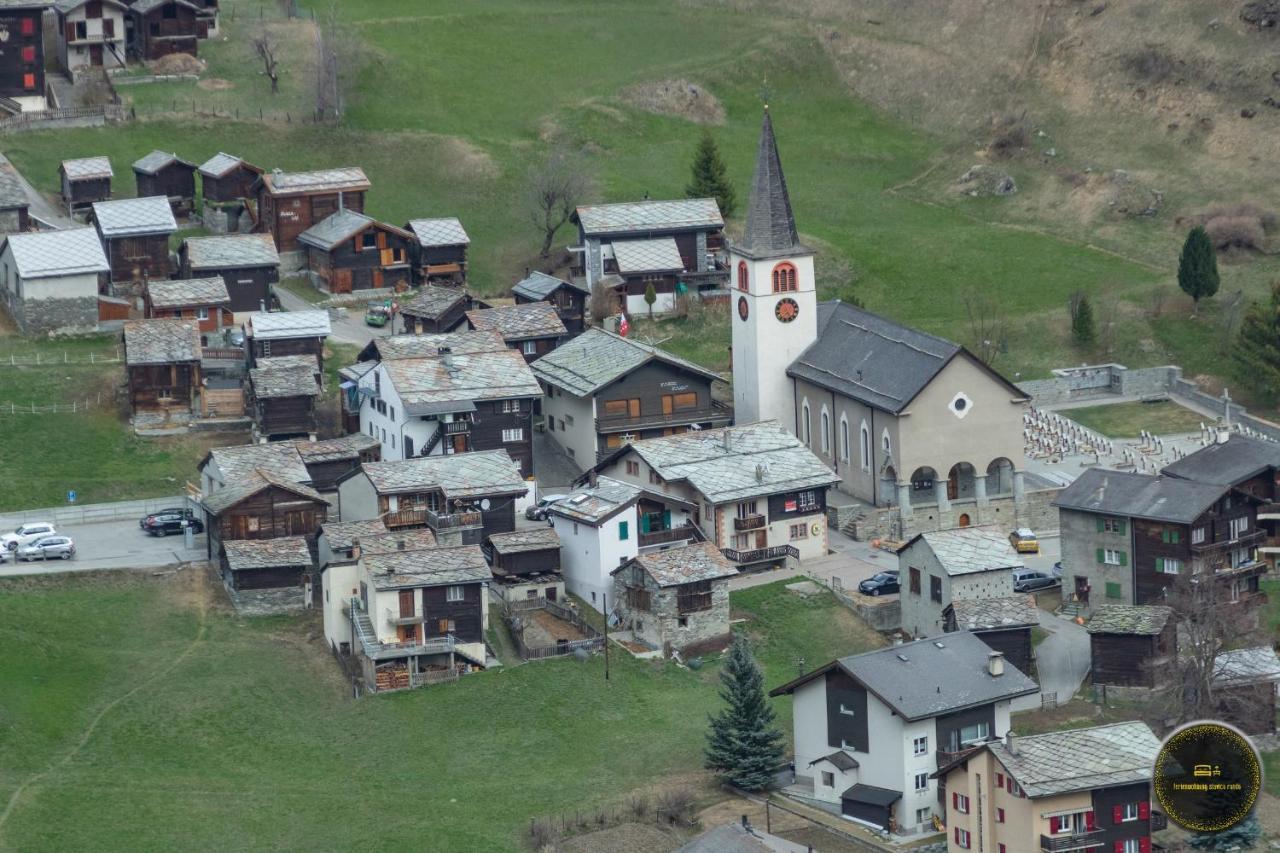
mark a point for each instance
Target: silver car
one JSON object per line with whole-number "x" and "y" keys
{"x": 61, "y": 547}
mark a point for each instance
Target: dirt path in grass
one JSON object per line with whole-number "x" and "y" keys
{"x": 199, "y": 580}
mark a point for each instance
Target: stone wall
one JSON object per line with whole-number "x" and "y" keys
{"x": 1080, "y": 543}
{"x": 660, "y": 626}
{"x": 56, "y": 316}
{"x": 1036, "y": 511}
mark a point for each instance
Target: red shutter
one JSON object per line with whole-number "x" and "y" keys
{"x": 999, "y": 780}
{"x": 1053, "y": 826}
{"x": 28, "y": 26}
{"x": 999, "y": 815}
{"x": 1144, "y": 844}
{"x": 1090, "y": 823}
{"x": 1117, "y": 815}
{"x": 1119, "y": 848}
{"x": 957, "y": 831}
{"x": 1144, "y": 810}
{"x": 955, "y": 801}
{"x": 29, "y": 53}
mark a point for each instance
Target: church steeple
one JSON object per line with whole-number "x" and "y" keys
{"x": 771, "y": 226}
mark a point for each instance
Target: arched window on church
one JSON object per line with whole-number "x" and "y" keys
{"x": 805, "y": 435}
{"x": 844, "y": 440}
{"x": 784, "y": 277}
{"x": 865, "y": 446}
{"x": 826, "y": 431}
{"x": 742, "y": 275}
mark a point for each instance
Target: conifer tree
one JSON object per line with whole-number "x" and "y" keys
{"x": 1082, "y": 331}
{"x": 1198, "y": 267}
{"x": 650, "y": 297}
{"x": 710, "y": 179}
{"x": 743, "y": 744}
{"x": 1256, "y": 350}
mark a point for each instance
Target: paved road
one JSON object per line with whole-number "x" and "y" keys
{"x": 39, "y": 205}
{"x": 1062, "y": 660}
{"x": 349, "y": 329}
{"x": 112, "y": 545}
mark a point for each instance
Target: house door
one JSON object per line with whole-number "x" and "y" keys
{"x": 762, "y": 539}
{"x": 551, "y": 593}
{"x": 342, "y": 281}
{"x": 667, "y": 404}
{"x": 963, "y": 520}
{"x": 377, "y": 277}
{"x": 1082, "y": 588}
{"x": 406, "y": 603}
{"x": 95, "y": 54}
{"x": 459, "y": 444}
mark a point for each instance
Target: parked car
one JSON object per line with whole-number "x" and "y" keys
{"x": 1030, "y": 580}
{"x": 171, "y": 521}
{"x": 235, "y": 338}
{"x": 1057, "y": 570}
{"x": 377, "y": 314}
{"x": 538, "y": 512}
{"x": 1024, "y": 541}
{"x": 173, "y": 510}
{"x": 47, "y": 548}
{"x": 26, "y": 534}
{"x": 881, "y": 583}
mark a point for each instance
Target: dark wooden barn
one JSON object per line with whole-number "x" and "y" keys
{"x": 135, "y": 232}
{"x": 262, "y": 505}
{"x": 226, "y": 185}
{"x": 532, "y": 329}
{"x": 284, "y": 389}
{"x": 1129, "y": 644}
{"x": 157, "y": 28}
{"x": 266, "y": 564}
{"x": 568, "y": 298}
{"x": 1245, "y": 688}
{"x": 162, "y": 362}
{"x": 332, "y": 459}
{"x": 288, "y": 203}
{"x": 247, "y": 263}
{"x": 14, "y": 205}
{"x": 435, "y": 310}
{"x": 22, "y": 60}
{"x": 349, "y": 251}
{"x": 1004, "y": 624}
{"x": 84, "y": 181}
{"x": 286, "y": 333}
{"x": 164, "y": 174}
{"x": 439, "y": 250}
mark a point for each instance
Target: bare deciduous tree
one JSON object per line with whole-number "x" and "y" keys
{"x": 555, "y": 188}
{"x": 603, "y": 303}
{"x": 289, "y": 7}
{"x": 1232, "y": 312}
{"x": 328, "y": 67}
{"x": 267, "y": 48}
{"x": 988, "y": 325}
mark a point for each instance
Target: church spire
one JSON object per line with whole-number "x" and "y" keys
{"x": 771, "y": 226}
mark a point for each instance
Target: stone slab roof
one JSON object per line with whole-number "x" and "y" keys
{"x": 340, "y": 226}
{"x": 597, "y": 358}
{"x": 926, "y": 678}
{"x": 399, "y": 540}
{"x": 539, "y": 285}
{"x": 350, "y": 178}
{"x": 142, "y": 7}
{"x": 433, "y": 301}
{"x": 128, "y": 217}
{"x": 430, "y": 346}
{"x": 968, "y": 550}
{"x": 597, "y": 503}
{"x": 284, "y": 362}
{"x": 770, "y": 230}
{"x": 158, "y": 160}
{"x": 1246, "y": 666}
{"x": 640, "y": 256}
{"x": 231, "y": 251}
{"x": 529, "y": 539}
{"x": 243, "y": 461}
{"x": 1239, "y": 458}
{"x": 335, "y": 449}
{"x": 186, "y": 292}
{"x": 267, "y": 553}
{"x": 1136, "y": 619}
{"x": 457, "y": 475}
{"x": 735, "y": 463}
{"x": 519, "y": 322}
{"x": 45, "y": 254}
{"x": 1133, "y": 495}
{"x": 638, "y": 217}
{"x": 453, "y": 382}
{"x": 447, "y": 231}
{"x": 221, "y": 164}
{"x": 1079, "y": 759}
{"x": 12, "y": 194}
{"x": 271, "y": 326}
{"x": 87, "y": 168}
{"x": 272, "y": 383}
{"x": 700, "y": 561}
{"x": 161, "y": 341}
{"x": 428, "y": 567}
{"x": 341, "y": 535}
{"x": 984, "y": 614}
{"x": 249, "y": 485}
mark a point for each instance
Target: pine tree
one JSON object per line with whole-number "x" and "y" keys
{"x": 1243, "y": 836}
{"x": 1082, "y": 331}
{"x": 1198, "y": 267}
{"x": 710, "y": 179}
{"x": 1256, "y": 350}
{"x": 743, "y": 744}
{"x": 650, "y": 297}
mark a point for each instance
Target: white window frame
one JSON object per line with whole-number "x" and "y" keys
{"x": 922, "y": 782}
{"x": 844, "y": 439}
{"x": 983, "y": 733}
{"x": 1197, "y": 535}
{"x": 1132, "y": 845}
{"x": 511, "y": 436}
{"x": 455, "y": 593}
{"x": 805, "y": 426}
{"x": 202, "y": 313}
{"x": 1128, "y": 812}
{"x": 1239, "y": 526}
{"x": 848, "y": 712}
{"x": 962, "y": 803}
{"x": 1111, "y": 556}
{"x": 1167, "y": 562}
{"x": 825, "y": 430}
{"x": 920, "y": 746}
{"x": 963, "y": 840}
{"x": 864, "y": 446}
{"x": 529, "y": 347}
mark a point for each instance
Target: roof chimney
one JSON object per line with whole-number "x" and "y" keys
{"x": 399, "y": 544}
{"x": 342, "y": 203}
{"x": 728, "y": 442}
{"x": 1011, "y": 742}
{"x": 591, "y": 478}
{"x": 355, "y": 547}
{"x": 1223, "y": 435}
{"x": 995, "y": 664}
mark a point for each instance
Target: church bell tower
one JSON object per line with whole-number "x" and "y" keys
{"x": 774, "y": 303}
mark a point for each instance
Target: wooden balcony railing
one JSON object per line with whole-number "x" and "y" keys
{"x": 653, "y": 420}
{"x": 457, "y": 427}
{"x": 748, "y": 522}
{"x": 451, "y": 520}
{"x": 760, "y": 555}
{"x": 666, "y": 537}
{"x": 1075, "y": 841}
{"x": 1269, "y": 512}
{"x": 406, "y": 518}
{"x": 1248, "y": 538}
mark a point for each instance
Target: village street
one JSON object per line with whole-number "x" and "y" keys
{"x": 348, "y": 327}
{"x": 111, "y": 545}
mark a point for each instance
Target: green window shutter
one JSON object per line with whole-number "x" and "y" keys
{"x": 623, "y": 531}
{"x": 644, "y": 522}
{"x": 1120, "y": 526}
{"x": 1113, "y": 590}
{"x": 1124, "y": 558}
{"x": 1102, "y": 557}
{"x": 666, "y": 519}
{"x": 1164, "y": 535}
{"x": 1159, "y": 564}
{"x": 1102, "y": 524}
{"x": 1175, "y": 536}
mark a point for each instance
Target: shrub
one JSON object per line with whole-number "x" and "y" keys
{"x": 676, "y": 805}
{"x": 542, "y": 834}
{"x": 1236, "y": 232}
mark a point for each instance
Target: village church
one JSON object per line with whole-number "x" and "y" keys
{"x": 908, "y": 421}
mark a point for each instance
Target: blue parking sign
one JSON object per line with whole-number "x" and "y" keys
{"x": 71, "y": 496}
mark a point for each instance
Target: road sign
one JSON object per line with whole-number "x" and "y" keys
{"x": 71, "y": 496}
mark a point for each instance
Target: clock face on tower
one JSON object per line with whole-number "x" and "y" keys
{"x": 743, "y": 308}
{"x": 786, "y": 310}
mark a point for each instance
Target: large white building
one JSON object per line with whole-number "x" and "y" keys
{"x": 599, "y": 531}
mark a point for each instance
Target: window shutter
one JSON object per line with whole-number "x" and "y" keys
{"x": 955, "y": 802}
{"x": 1090, "y": 822}
{"x": 957, "y": 833}
{"x": 1119, "y": 847}
{"x": 999, "y": 780}
{"x": 1164, "y": 536}
{"x": 999, "y": 815}
{"x": 1102, "y": 556}
{"x": 1144, "y": 810}
{"x": 1120, "y": 525}
{"x": 1159, "y": 564}
{"x": 1102, "y": 524}
{"x": 1144, "y": 844}
{"x": 623, "y": 532}
{"x": 1117, "y": 815}
{"x": 1124, "y": 558}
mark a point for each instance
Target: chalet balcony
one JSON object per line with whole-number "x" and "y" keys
{"x": 457, "y": 427}
{"x": 749, "y": 522}
{"x": 683, "y": 533}
{"x": 1269, "y": 512}
{"x": 452, "y": 520}
{"x": 1159, "y": 821}
{"x": 760, "y": 555}
{"x": 412, "y": 517}
{"x": 430, "y": 646}
{"x": 1250, "y": 538}
{"x": 393, "y": 618}
{"x": 659, "y": 420}
{"x": 947, "y": 756}
{"x": 1075, "y": 841}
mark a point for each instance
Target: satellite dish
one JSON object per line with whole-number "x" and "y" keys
{"x": 484, "y": 504}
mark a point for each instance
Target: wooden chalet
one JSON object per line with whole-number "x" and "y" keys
{"x": 91, "y": 34}
{"x": 1003, "y": 623}
{"x": 226, "y": 182}
{"x": 1130, "y": 643}
{"x": 14, "y": 205}
{"x": 203, "y": 300}
{"x": 158, "y": 28}
{"x": 135, "y": 232}
{"x": 330, "y": 460}
{"x": 22, "y": 60}
{"x": 206, "y": 18}
{"x": 162, "y": 362}
{"x": 526, "y": 564}
{"x": 259, "y": 564}
{"x": 286, "y": 333}
{"x": 84, "y": 181}
{"x": 247, "y": 263}
{"x": 284, "y": 389}
{"x": 435, "y": 310}
{"x": 439, "y": 250}
{"x": 349, "y": 251}
{"x": 289, "y": 203}
{"x": 568, "y": 298}
{"x": 532, "y": 329}
{"x": 163, "y": 174}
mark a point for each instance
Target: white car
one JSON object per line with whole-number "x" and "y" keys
{"x": 47, "y": 548}
{"x": 27, "y": 534}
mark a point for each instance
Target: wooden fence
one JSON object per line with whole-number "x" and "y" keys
{"x": 594, "y": 641}
{"x": 51, "y": 359}
{"x": 63, "y": 115}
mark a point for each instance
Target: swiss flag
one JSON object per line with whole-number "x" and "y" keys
{"x": 623, "y": 326}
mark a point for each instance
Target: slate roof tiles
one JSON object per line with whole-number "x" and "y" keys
{"x": 1079, "y": 759}
{"x": 231, "y": 251}
{"x": 457, "y": 475}
{"x": 287, "y": 552}
{"x": 539, "y": 285}
{"x": 129, "y": 217}
{"x": 87, "y": 168}
{"x": 168, "y": 294}
{"x": 968, "y": 550}
{"x": 428, "y": 567}
{"x": 700, "y": 561}
{"x": 634, "y": 217}
{"x": 447, "y": 231}
{"x": 519, "y": 322}
{"x": 597, "y": 358}
{"x": 45, "y": 254}
{"x": 161, "y": 341}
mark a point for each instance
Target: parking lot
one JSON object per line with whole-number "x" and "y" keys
{"x": 112, "y": 545}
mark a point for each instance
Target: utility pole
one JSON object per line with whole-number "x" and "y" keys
{"x": 605, "y": 598}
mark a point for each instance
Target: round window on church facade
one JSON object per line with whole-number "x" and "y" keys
{"x": 743, "y": 308}
{"x": 786, "y": 310}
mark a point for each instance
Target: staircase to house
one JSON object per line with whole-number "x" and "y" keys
{"x": 1073, "y": 609}
{"x": 365, "y": 633}
{"x": 433, "y": 441}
